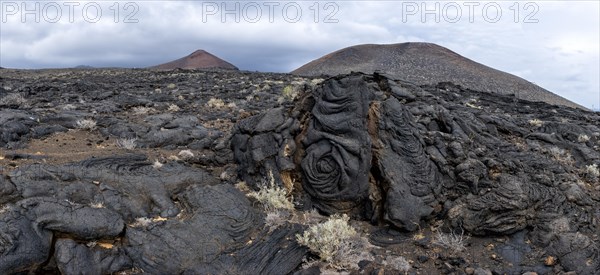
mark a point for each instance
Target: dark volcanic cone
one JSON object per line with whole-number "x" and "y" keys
{"x": 426, "y": 64}
{"x": 199, "y": 59}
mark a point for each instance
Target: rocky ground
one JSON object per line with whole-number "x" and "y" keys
{"x": 142, "y": 171}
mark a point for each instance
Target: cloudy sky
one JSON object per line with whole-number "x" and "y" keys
{"x": 554, "y": 44}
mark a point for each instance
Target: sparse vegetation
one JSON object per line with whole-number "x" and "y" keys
{"x": 330, "y": 240}
{"x": 418, "y": 236}
{"x": 560, "y": 155}
{"x": 86, "y": 124}
{"x": 173, "y": 108}
{"x": 536, "y": 122}
{"x": 226, "y": 175}
{"x": 3, "y": 209}
{"x": 277, "y": 218}
{"x": 398, "y": 263}
{"x": 186, "y": 154}
{"x": 69, "y": 107}
{"x": 556, "y": 152}
{"x": 173, "y": 158}
{"x": 142, "y": 110}
{"x": 14, "y": 99}
{"x": 242, "y": 186}
{"x": 216, "y": 103}
{"x": 145, "y": 221}
{"x": 278, "y": 207}
{"x": 289, "y": 92}
{"x": 452, "y": 241}
{"x": 141, "y": 222}
{"x": 97, "y": 205}
{"x": 272, "y": 197}
{"x": 157, "y": 164}
{"x": 473, "y": 104}
{"x": 309, "y": 217}
{"x": 592, "y": 172}
{"x": 126, "y": 143}
{"x": 275, "y": 82}
{"x": 316, "y": 81}
{"x": 583, "y": 138}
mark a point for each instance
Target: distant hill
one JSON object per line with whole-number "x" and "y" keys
{"x": 199, "y": 59}
{"x": 427, "y": 63}
{"x": 84, "y": 67}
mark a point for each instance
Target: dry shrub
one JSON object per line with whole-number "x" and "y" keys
{"x": 332, "y": 240}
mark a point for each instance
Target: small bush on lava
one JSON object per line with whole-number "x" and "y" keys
{"x": 329, "y": 238}
{"x": 86, "y": 124}
{"x": 14, "y": 100}
{"x": 272, "y": 197}
{"x": 583, "y": 138}
{"x": 536, "y": 122}
{"x": 592, "y": 172}
{"x": 215, "y": 103}
{"x": 127, "y": 143}
{"x": 452, "y": 241}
